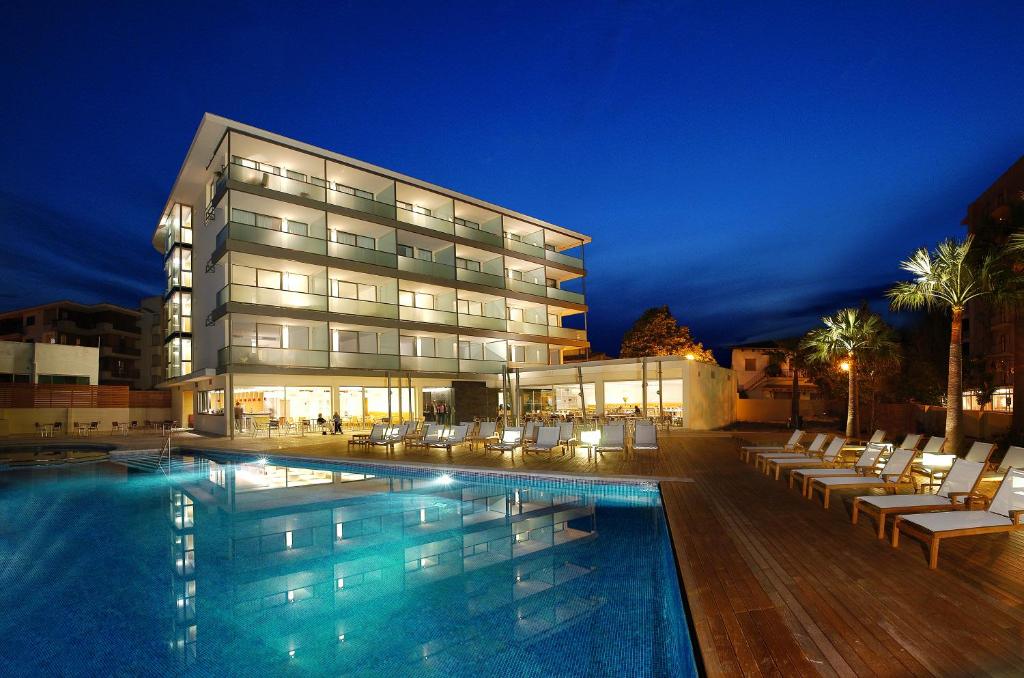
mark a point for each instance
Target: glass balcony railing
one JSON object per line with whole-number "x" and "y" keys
{"x": 525, "y": 287}
{"x": 565, "y": 295}
{"x": 364, "y": 361}
{"x": 427, "y": 315}
{"x": 481, "y": 322}
{"x": 560, "y": 258}
{"x": 478, "y": 234}
{"x": 480, "y": 278}
{"x": 361, "y": 204}
{"x": 433, "y": 223}
{"x": 276, "y": 357}
{"x": 566, "y": 332}
{"x": 273, "y": 238}
{"x": 481, "y": 366}
{"x": 527, "y": 328}
{"x": 246, "y": 294}
{"x": 371, "y": 309}
{"x": 277, "y": 182}
{"x": 363, "y": 254}
{"x": 430, "y": 268}
{"x": 424, "y": 364}
{"x": 524, "y": 247}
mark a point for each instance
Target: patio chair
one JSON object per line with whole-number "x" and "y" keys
{"x": 794, "y": 439}
{"x": 613, "y": 439}
{"x": 863, "y": 465}
{"x": 256, "y": 427}
{"x": 1003, "y": 514}
{"x": 645, "y": 438}
{"x": 959, "y": 484}
{"x": 815, "y": 448}
{"x": 547, "y": 441}
{"x": 511, "y": 438}
{"x": 485, "y": 432}
{"x": 393, "y": 435}
{"x": 94, "y": 427}
{"x": 431, "y": 434}
{"x": 530, "y": 432}
{"x": 377, "y": 433}
{"x": 567, "y": 434}
{"x": 896, "y": 469}
{"x": 456, "y": 437}
{"x": 831, "y": 456}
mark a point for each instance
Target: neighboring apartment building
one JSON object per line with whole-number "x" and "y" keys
{"x": 152, "y": 362}
{"x": 989, "y": 330}
{"x": 114, "y": 330}
{"x": 763, "y": 372}
{"x": 24, "y": 362}
{"x": 301, "y": 281}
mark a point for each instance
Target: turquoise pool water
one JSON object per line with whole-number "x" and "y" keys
{"x": 221, "y": 566}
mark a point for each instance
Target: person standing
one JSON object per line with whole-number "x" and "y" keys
{"x": 337, "y": 424}
{"x": 239, "y": 415}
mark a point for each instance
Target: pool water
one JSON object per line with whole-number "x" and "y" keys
{"x": 221, "y": 566}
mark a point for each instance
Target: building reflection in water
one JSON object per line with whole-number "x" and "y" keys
{"x": 347, "y": 567}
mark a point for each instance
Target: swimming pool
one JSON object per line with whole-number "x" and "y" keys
{"x": 220, "y": 565}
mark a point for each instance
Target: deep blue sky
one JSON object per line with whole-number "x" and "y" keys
{"x": 751, "y": 166}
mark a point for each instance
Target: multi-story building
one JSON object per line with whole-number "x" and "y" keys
{"x": 152, "y": 362}
{"x": 989, "y": 330}
{"x": 764, "y": 371}
{"x": 301, "y": 281}
{"x": 114, "y": 330}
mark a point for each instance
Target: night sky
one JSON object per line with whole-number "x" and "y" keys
{"x": 752, "y": 167}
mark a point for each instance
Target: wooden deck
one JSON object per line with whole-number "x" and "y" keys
{"x": 775, "y": 584}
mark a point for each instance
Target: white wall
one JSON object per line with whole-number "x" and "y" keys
{"x": 79, "y": 361}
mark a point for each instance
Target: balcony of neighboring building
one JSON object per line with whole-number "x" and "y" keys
{"x": 264, "y": 281}
{"x": 481, "y": 355}
{"x": 426, "y": 209}
{"x": 362, "y": 294}
{"x": 479, "y": 267}
{"x": 362, "y": 347}
{"x": 481, "y": 311}
{"x": 426, "y": 303}
{"x": 428, "y": 351}
{"x": 476, "y": 223}
{"x": 426, "y": 256}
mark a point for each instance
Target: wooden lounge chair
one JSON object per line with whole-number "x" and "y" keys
{"x": 815, "y": 449}
{"x": 485, "y": 433}
{"x": 935, "y": 466}
{"x": 613, "y": 439}
{"x": 910, "y": 442}
{"x": 831, "y": 456}
{"x": 392, "y": 436}
{"x": 747, "y": 450}
{"x": 376, "y": 434}
{"x": 960, "y": 483}
{"x": 567, "y": 435}
{"x": 456, "y": 436}
{"x": 1014, "y": 458}
{"x": 863, "y": 465}
{"x": 896, "y": 469}
{"x": 645, "y": 438}
{"x": 432, "y": 434}
{"x": 511, "y": 439}
{"x": 547, "y": 441}
{"x": 1003, "y": 514}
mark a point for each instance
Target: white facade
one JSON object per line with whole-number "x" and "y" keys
{"x": 35, "y": 363}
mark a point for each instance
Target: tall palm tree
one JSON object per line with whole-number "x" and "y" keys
{"x": 849, "y": 335}
{"x": 948, "y": 278}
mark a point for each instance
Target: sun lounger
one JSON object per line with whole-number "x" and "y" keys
{"x": 432, "y": 434}
{"x": 485, "y": 433}
{"x": 547, "y": 441}
{"x": 1014, "y": 458}
{"x": 815, "y": 448}
{"x": 1003, "y": 514}
{"x": 747, "y": 450}
{"x": 893, "y": 473}
{"x": 456, "y": 437}
{"x": 910, "y": 442}
{"x": 935, "y": 466}
{"x": 864, "y": 465}
{"x": 830, "y": 456}
{"x": 511, "y": 439}
{"x": 645, "y": 438}
{"x": 960, "y": 483}
{"x": 376, "y": 434}
{"x": 613, "y": 438}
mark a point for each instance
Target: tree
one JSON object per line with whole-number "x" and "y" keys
{"x": 948, "y": 278}
{"x": 851, "y": 335}
{"x": 657, "y": 332}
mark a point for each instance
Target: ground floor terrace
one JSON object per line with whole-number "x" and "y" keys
{"x": 775, "y": 584}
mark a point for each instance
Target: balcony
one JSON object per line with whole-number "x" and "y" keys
{"x": 272, "y": 238}
{"x": 424, "y": 364}
{"x": 427, "y": 315}
{"x": 424, "y": 221}
{"x": 567, "y": 332}
{"x": 478, "y": 234}
{"x": 373, "y": 309}
{"x": 524, "y": 247}
{"x": 428, "y": 268}
{"x": 482, "y": 366}
{"x": 525, "y": 287}
{"x": 271, "y": 357}
{"x": 565, "y": 259}
{"x": 364, "y": 361}
{"x": 246, "y": 294}
{"x": 489, "y": 279}
{"x": 363, "y": 254}
{"x": 360, "y": 204}
{"x": 565, "y": 295}
{"x": 527, "y": 328}
{"x": 276, "y": 182}
{"x": 481, "y": 322}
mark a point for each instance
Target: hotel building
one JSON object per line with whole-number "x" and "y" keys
{"x": 300, "y": 281}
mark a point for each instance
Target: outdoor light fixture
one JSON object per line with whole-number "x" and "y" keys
{"x": 337, "y": 530}
{"x": 341, "y": 582}
{"x": 690, "y": 356}
{"x": 590, "y": 438}
{"x": 288, "y": 539}
{"x": 423, "y": 515}
{"x": 291, "y": 598}
{"x": 845, "y": 365}
{"x": 445, "y": 478}
{"x": 262, "y": 461}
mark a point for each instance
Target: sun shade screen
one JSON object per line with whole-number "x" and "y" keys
{"x": 1010, "y": 496}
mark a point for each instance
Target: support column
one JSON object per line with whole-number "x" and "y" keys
{"x": 400, "y": 408}
{"x": 229, "y": 404}
{"x": 389, "y": 397}
{"x": 643, "y": 385}
{"x": 583, "y": 395}
{"x": 661, "y": 393}
{"x": 335, "y": 403}
{"x": 599, "y": 397}
{"x": 412, "y": 399}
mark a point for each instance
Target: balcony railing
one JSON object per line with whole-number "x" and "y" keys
{"x": 560, "y": 258}
{"x": 566, "y": 332}
{"x": 246, "y": 294}
{"x": 427, "y": 315}
{"x": 481, "y": 366}
{"x": 361, "y": 204}
{"x": 433, "y": 223}
{"x": 480, "y": 278}
{"x": 277, "y": 182}
{"x": 363, "y": 254}
{"x": 478, "y": 235}
{"x": 271, "y": 237}
{"x": 364, "y": 361}
{"x": 276, "y": 357}
{"x": 424, "y": 364}
{"x": 481, "y": 322}
{"x": 372, "y": 309}
{"x": 527, "y": 328}
{"x": 525, "y": 287}
{"x": 524, "y": 247}
{"x": 429, "y": 268}
{"x": 565, "y": 295}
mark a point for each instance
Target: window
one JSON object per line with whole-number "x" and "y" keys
{"x": 269, "y": 336}
{"x": 296, "y": 227}
{"x": 405, "y": 251}
{"x": 298, "y": 176}
{"x": 467, "y": 223}
{"x": 259, "y": 220}
{"x": 468, "y": 264}
{"x": 70, "y": 379}
{"x": 551, "y": 282}
{"x": 243, "y": 275}
{"x": 425, "y": 255}
{"x": 317, "y": 181}
{"x": 514, "y": 274}
{"x": 346, "y": 238}
{"x": 750, "y": 364}
{"x": 352, "y": 341}
{"x": 424, "y": 300}
{"x": 269, "y": 279}
{"x": 467, "y": 307}
{"x": 406, "y": 298}
{"x": 517, "y": 354}
{"x": 30, "y": 320}
{"x": 553, "y": 320}
{"x": 342, "y": 188}
{"x": 406, "y": 345}
{"x": 295, "y": 282}
{"x": 413, "y": 208}
{"x": 515, "y": 314}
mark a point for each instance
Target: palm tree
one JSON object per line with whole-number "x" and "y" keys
{"x": 948, "y": 278}
{"x": 850, "y": 335}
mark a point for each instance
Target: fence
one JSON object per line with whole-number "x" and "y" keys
{"x": 77, "y": 395}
